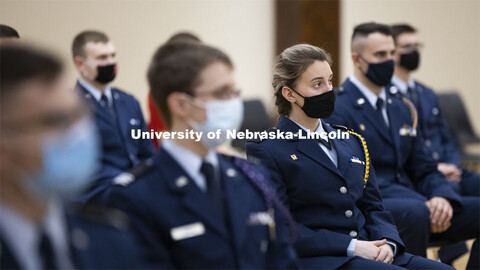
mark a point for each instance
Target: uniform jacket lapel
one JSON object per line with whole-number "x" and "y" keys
{"x": 308, "y": 147}
{"x": 238, "y": 207}
{"x": 367, "y": 111}
{"x": 188, "y": 192}
{"x": 94, "y": 106}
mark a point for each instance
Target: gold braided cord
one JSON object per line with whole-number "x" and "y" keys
{"x": 413, "y": 111}
{"x": 367, "y": 156}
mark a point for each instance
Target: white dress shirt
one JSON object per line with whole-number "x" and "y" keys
{"x": 97, "y": 94}
{"x": 191, "y": 162}
{"x": 402, "y": 86}
{"x": 23, "y": 236}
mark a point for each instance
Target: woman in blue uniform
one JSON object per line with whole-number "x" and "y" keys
{"x": 327, "y": 182}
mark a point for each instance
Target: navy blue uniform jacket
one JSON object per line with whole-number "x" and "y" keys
{"x": 401, "y": 163}
{"x": 320, "y": 194}
{"x": 178, "y": 228}
{"x": 97, "y": 238}
{"x": 120, "y": 151}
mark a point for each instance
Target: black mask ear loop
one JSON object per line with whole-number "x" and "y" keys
{"x": 291, "y": 88}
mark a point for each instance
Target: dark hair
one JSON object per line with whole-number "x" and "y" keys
{"x": 78, "y": 45}
{"x": 8, "y": 32}
{"x": 175, "y": 67}
{"x": 366, "y": 29}
{"x": 289, "y": 66}
{"x": 20, "y": 64}
{"x": 184, "y": 37}
{"x": 398, "y": 29}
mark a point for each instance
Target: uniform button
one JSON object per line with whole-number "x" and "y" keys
{"x": 435, "y": 155}
{"x": 398, "y": 175}
{"x": 348, "y": 213}
{"x": 353, "y": 233}
{"x": 264, "y": 246}
{"x": 132, "y": 157}
{"x": 428, "y": 143}
{"x": 343, "y": 190}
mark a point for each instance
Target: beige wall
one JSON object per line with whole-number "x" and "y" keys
{"x": 244, "y": 29}
{"x": 450, "y": 30}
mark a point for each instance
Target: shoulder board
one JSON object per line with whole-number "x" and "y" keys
{"x": 340, "y": 127}
{"x": 259, "y": 140}
{"x": 101, "y": 214}
{"x": 126, "y": 178}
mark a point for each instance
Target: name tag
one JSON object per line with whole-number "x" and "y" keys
{"x": 187, "y": 231}
{"x": 357, "y": 160}
{"x": 260, "y": 218}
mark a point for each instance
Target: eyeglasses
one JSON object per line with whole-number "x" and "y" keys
{"x": 411, "y": 46}
{"x": 222, "y": 94}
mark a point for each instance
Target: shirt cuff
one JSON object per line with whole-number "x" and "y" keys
{"x": 351, "y": 247}
{"x": 394, "y": 247}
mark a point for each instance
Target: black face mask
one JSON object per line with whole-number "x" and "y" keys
{"x": 106, "y": 74}
{"x": 410, "y": 60}
{"x": 319, "y": 106}
{"x": 380, "y": 73}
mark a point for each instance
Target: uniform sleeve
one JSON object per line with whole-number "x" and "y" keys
{"x": 146, "y": 148}
{"x": 422, "y": 170}
{"x": 153, "y": 251}
{"x": 309, "y": 242}
{"x": 449, "y": 150}
{"x": 379, "y": 222}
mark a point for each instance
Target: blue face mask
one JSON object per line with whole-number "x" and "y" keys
{"x": 380, "y": 73}
{"x": 70, "y": 160}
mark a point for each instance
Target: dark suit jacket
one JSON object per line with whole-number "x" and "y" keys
{"x": 320, "y": 194}
{"x": 438, "y": 140}
{"x": 120, "y": 151}
{"x": 97, "y": 238}
{"x": 177, "y": 227}
{"x": 403, "y": 167}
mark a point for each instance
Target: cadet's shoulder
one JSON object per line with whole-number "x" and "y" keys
{"x": 118, "y": 93}
{"x": 139, "y": 173}
{"x": 340, "y": 127}
{"x": 264, "y": 138}
{"x": 96, "y": 217}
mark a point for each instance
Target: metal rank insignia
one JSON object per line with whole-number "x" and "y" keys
{"x": 407, "y": 130}
{"x": 294, "y": 157}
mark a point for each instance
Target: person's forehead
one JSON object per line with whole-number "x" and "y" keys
{"x": 378, "y": 42}
{"x": 36, "y": 98}
{"x": 318, "y": 69}
{"x": 215, "y": 75}
{"x": 98, "y": 48}
{"x": 407, "y": 38}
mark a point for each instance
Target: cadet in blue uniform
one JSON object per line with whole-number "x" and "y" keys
{"x": 192, "y": 207}
{"x": 49, "y": 150}
{"x": 328, "y": 184}
{"x": 116, "y": 113}
{"x": 419, "y": 197}
{"x": 437, "y": 136}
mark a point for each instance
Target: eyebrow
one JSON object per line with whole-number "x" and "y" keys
{"x": 319, "y": 78}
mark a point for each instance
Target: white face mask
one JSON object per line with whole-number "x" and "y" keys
{"x": 221, "y": 114}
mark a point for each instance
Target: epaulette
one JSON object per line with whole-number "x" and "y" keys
{"x": 100, "y": 214}
{"x": 126, "y": 178}
{"x": 339, "y": 90}
{"x": 344, "y": 128}
{"x": 259, "y": 140}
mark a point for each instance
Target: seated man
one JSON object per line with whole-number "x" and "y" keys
{"x": 116, "y": 113}
{"x": 190, "y": 206}
{"x": 49, "y": 150}
{"x": 420, "y": 198}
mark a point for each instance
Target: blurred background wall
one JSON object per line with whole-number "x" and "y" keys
{"x": 248, "y": 29}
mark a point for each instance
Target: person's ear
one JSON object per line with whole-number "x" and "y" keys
{"x": 79, "y": 62}
{"x": 287, "y": 93}
{"x": 356, "y": 59}
{"x": 178, "y": 104}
